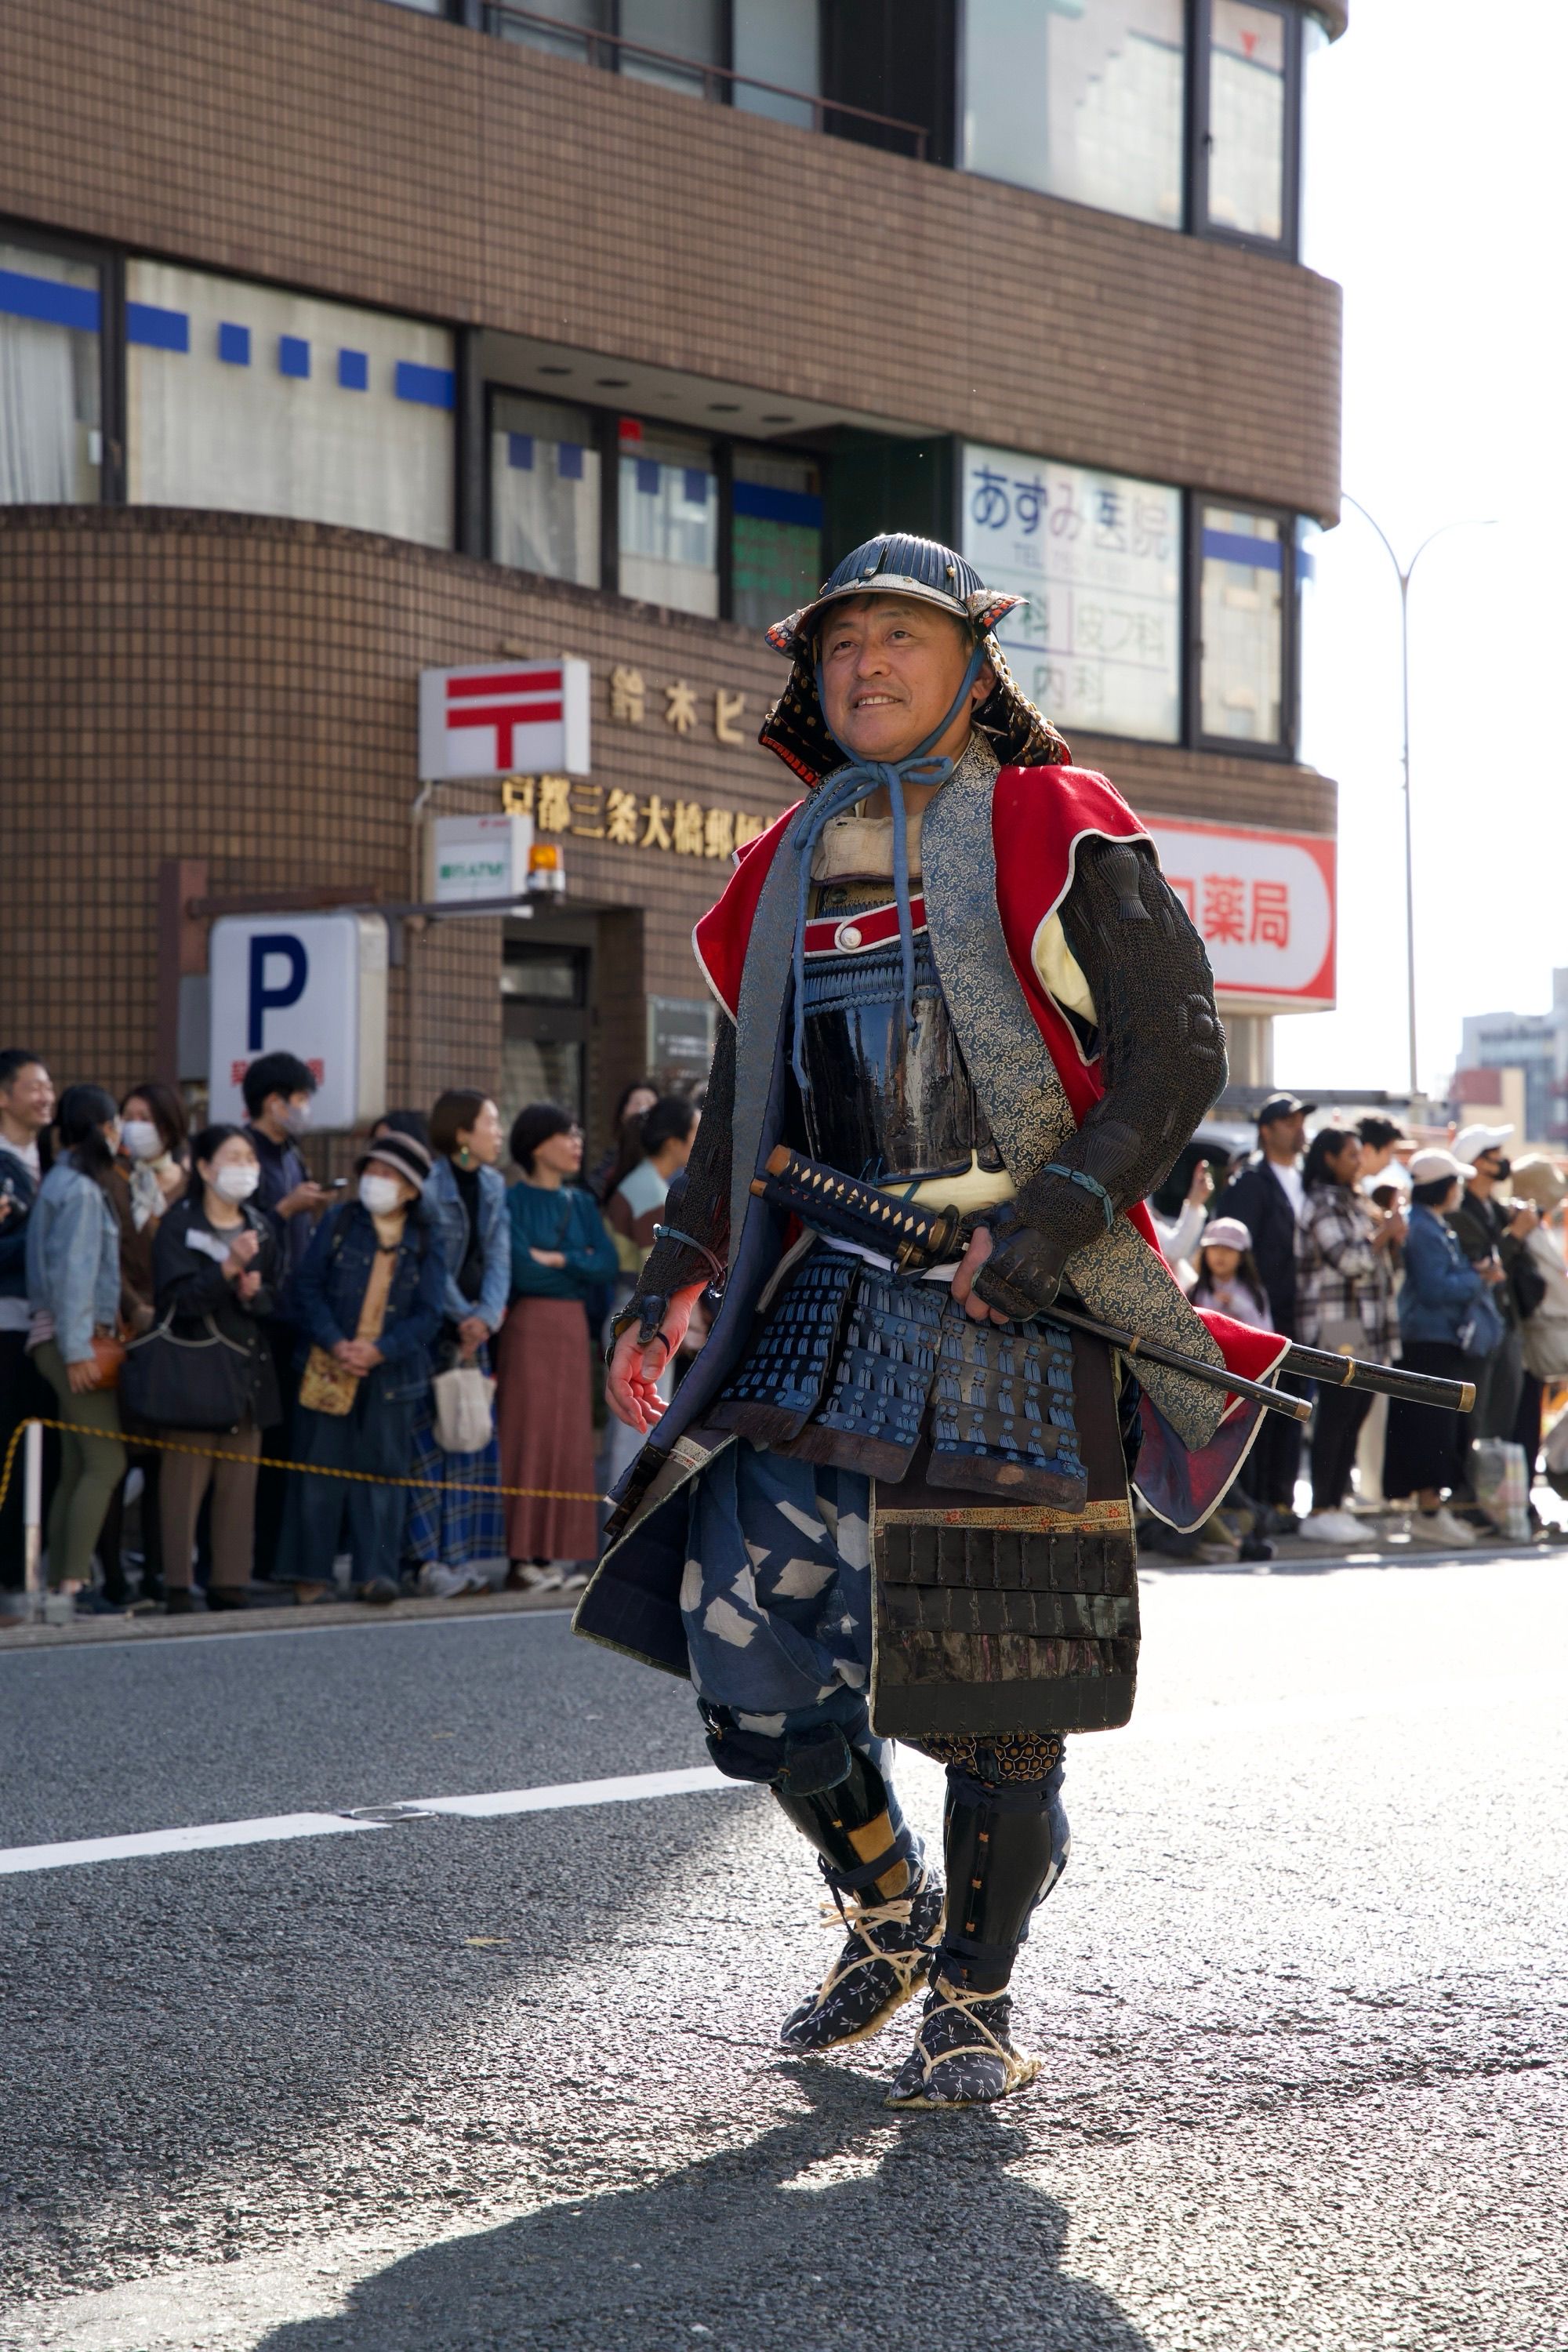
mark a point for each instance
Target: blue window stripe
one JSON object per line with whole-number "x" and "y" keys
{"x": 569, "y": 460}
{"x": 767, "y": 505}
{"x": 434, "y": 387}
{"x": 293, "y": 355}
{"x": 1236, "y": 547}
{"x": 26, "y": 297}
{"x": 234, "y": 344}
{"x": 648, "y": 477}
{"x": 353, "y": 370}
{"x": 520, "y": 452}
{"x": 696, "y": 484}
{"x": 164, "y": 331}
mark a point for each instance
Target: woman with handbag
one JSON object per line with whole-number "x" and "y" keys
{"x": 73, "y": 1291}
{"x": 1344, "y": 1301}
{"x": 368, "y": 1294}
{"x": 455, "y": 1535}
{"x": 559, "y": 1251}
{"x": 1442, "y": 1305}
{"x": 215, "y": 1267}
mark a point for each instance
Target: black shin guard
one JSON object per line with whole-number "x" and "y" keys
{"x": 857, "y": 1829}
{"x": 1006, "y": 1847}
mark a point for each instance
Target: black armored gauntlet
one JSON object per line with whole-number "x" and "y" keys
{"x": 1161, "y": 1058}
{"x": 694, "y": 1232}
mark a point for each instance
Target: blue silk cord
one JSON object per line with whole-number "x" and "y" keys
{"x": 856, "y": 782}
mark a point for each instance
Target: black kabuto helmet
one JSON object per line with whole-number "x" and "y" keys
{"x": 900, "y": 563}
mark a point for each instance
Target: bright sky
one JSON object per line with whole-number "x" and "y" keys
{"x": 1434, "y": 163}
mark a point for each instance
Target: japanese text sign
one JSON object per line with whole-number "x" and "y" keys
{"x": 1098, "y": 556}
{"x": 1263, "y": 904}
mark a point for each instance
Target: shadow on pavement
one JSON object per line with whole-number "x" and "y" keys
{"x": 915, "y": 2232}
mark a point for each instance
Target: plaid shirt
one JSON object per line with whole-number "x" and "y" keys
{"x": 1340, "y": 1277}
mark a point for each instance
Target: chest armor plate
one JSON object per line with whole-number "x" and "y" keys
{"x": 888, "y": 1101}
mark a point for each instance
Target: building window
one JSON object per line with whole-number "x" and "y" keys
{"x": 544, "y": 488}
{"x": 778, "y": 41}
{"x": 1098, "y": 644}
{"x": 247, "y": 398}
{"x": 1242, "y": 625}
{"x": 51, "y": 440}
{"x": 776, "y": 534}
{"x": 1245, "y": 147}
{"x": 590, "y": 15}
{"x": 668, "y": 518}
{"x": 677, "y": 28}
{"x": 1079, "y": 101}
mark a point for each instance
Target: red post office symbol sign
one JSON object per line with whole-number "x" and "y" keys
{"x": 497, "y": 719}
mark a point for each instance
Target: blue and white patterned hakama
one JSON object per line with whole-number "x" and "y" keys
{"x": 776, "y": 1597}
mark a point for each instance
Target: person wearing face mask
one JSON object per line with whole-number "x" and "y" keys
{"x": 369, "y": 1297}
{"x": 214, "y": 1264}
{"x": 1491, "y": 1232}
{"x": 149, "y": 1174}
{"x": 278, "y": 1089}
{"x": 73, "y": 1288}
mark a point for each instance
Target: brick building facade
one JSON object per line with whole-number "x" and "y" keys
{"x": 208, "y": 677}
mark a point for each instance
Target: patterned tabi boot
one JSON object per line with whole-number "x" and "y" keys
{"x": 1006, "y": 1846}
{"x": 890, "y": 1902}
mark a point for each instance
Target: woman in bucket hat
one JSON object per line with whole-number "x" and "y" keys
{"x": 887, "y": 1505}
{"x": 368, "y": 1297}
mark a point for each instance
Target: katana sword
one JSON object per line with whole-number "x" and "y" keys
{"x": 914, "y": 1237}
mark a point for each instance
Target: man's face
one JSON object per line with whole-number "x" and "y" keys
{"x": 890, "y": 668}
{"x": 1489, "y": 1167}
{"x": 1284, "y": 1138}
{"x": 30, "y": 1096}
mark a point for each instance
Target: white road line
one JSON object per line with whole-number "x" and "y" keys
{"x": 276, "y": 1827}
{"x": 1255, "y": 1719}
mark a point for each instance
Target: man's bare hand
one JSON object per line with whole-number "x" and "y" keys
{"x": 303, "y": 1201}
{"x": 631, "y": 1386}
{"x": 974, "y": 1258}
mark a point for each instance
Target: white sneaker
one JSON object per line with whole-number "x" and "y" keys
{"x": 1331, "y": 1528}
{"x": 538, "y": 1580}
{"x": 438, "y": 1583}
{"x": 1440, "y": 1526}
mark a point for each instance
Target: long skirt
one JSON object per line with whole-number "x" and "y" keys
{"x": 1425, "y": 1447}
{"x": 544, "y": 1420}
{"x": 449, "y": 1524}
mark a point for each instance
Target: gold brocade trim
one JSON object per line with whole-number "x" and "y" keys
{"x": 1020, "y": 1518}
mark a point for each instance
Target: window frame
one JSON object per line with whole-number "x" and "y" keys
{"x": 110, "y": 263}
{"x": 607, "y": 442}
{"x": 1285, "y": 753}
{"x": 1286, "y": 246}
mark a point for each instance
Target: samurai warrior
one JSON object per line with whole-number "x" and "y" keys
{"x": 893, "y": 1499}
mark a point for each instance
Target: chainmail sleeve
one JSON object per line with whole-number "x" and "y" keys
{"x": 1161, "y": 1058}
{"x": 698, "y": 1204}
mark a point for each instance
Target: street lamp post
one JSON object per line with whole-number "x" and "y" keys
{"x": 1404, "y": 573}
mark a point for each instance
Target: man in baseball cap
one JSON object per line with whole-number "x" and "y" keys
{"x": 1488, "y": 1229}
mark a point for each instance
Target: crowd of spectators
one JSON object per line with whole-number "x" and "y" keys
{"x": 402, "y": 1346}
{"x": 1457, "y": 1269}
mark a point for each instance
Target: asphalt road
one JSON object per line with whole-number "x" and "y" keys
{"x": 456, "y": 2083}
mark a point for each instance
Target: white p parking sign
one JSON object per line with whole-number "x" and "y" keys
{"x": 313, "y": 985}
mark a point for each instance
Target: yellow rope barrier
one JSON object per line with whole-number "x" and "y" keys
{"x": 137, "y": 1443}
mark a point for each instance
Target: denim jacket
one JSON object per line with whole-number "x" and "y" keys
{"x": 73, "y": 1258}
{"x": 329, "y": 1286}
{"x": 1440, "y": 1284}
{"x": 449, "y": 1218}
